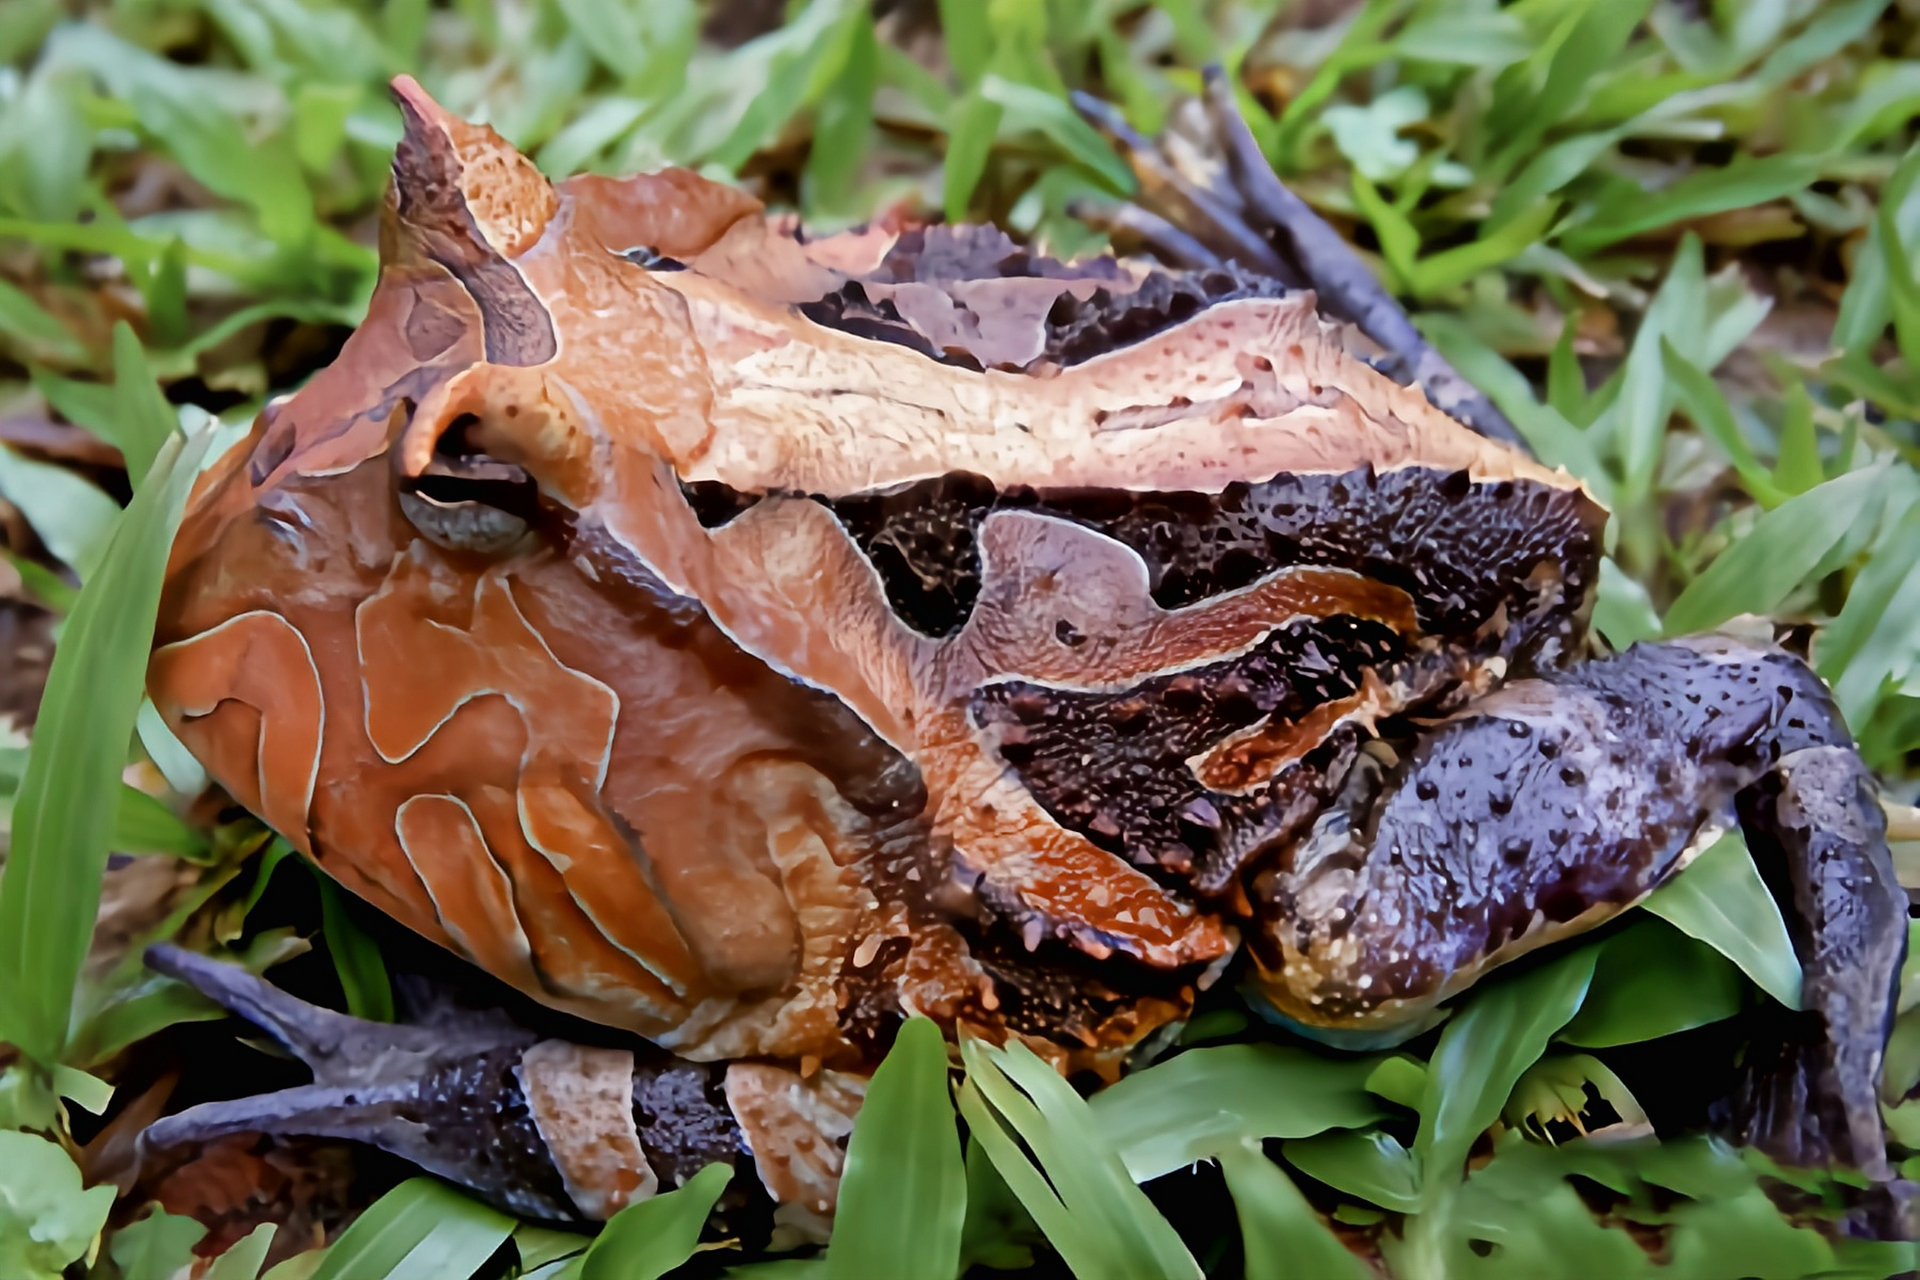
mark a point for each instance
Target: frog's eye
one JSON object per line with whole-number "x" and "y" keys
{"x": 468, "y": 501}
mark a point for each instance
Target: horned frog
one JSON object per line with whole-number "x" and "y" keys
{"x": 745, "y": 640}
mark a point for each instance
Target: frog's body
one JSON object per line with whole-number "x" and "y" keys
{"x": 746, "y": 640}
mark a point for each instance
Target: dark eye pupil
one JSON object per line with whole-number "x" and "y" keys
{"x": 471, "y": 502}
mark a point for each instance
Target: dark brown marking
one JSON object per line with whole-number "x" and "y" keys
{"x": 1460, "y": 550}
{"x": 426, "y": 184}
{"x": 1114, "y": 766}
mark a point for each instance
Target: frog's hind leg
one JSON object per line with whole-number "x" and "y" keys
{"x": 1816, "y": 828}
{"x": 1208, "y": 196}
{"x": 546, "y": 1129}
{"x": 1552, "y": 804}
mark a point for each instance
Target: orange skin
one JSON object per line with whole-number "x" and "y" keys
{"x": 640, "y": 803}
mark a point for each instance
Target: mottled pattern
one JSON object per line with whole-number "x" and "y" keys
{"x": 1114, "y": 766}
{"x": 1551, "y": 802}
{"x": 683, "y": 1120}
{"x": 1460, "y": 549}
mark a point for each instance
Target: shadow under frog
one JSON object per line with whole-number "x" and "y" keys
{"x": 747, "y": 640}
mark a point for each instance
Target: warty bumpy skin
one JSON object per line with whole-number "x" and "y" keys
{"x": 746, "y": 640}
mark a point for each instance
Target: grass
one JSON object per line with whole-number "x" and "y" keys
{"x": 1676, "y": 243}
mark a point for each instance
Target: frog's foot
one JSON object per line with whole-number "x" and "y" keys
{"x": 546, "y": 1129}
{"x": 1555, "y": 803}
{"x": 1209, "y": 197}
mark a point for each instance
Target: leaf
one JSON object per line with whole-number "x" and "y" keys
{"x": 970, "y": 134}
{"x": 37, "y": 333}
{"x": 1026, "y": 107}
{"x": 156, "y": 1246}
{"x": 47, "y": 1220}
{"x": 1557, "y": 441}
{"x": 1194, "y": 1106}
{"x": 1700, "y": 398}
{"x": 1798, "y": 467}
{"x": 805, "y": 56}
{"x": 537, "y": 1246}
{"x": 1784, "y": 546}
{"x": 143, "y": 824}
{"x": 50, "y": 890}
{"x": 1623, "y": 612}
{"x": 1369, "y": 136}
{"x": 1399, "y": 238}
{"x": 1442, "y": 272}
{"x": 903, "y": 1193}
{"x": 46, "y": 145}
{"x": 969, "y": 42}
{"x": 1554, "y": 1091}
{"x": 1399, "y": 1079}
{"x": 1365, "y": 1163}
{"x": 646, "y": 1240}
{"x": 244, "y": 1257}
{"x": 356, "y": 957}
{"x": 72, "y": 516}
{"x": 999, "y": 1234}
{"x": 85, "y": 1090}
{"x": 420, "y": 1230}
{"x": 844, "y": 127}
{"x": 1085, "y": 1201}
{"x": 1721, "y": 900}
{"x": 1280, "y": 1234}
{"x": 1869, "y": 647}
{"x": 1653, "y": 980}
{"x": 1533, "y": 96}
{"x": 1866, "y": 307}
{"x": 1484, "y": 1049}
{"x": 1748, "y": 181}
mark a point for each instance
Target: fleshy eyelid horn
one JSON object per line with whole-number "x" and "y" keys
{"x": 463, "y": 197}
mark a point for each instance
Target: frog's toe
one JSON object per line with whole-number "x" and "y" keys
{"x": 543, "y": 1128}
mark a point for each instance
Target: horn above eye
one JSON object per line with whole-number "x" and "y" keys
{"x": 471, "y": 502}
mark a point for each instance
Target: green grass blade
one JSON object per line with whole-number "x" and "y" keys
{"x": 143, "y": 420}
{"x": 1370, "y": 1165}
{"x": 244, "y": 1258}
{"x": 50, "y": 890}
{"x": 644, "y": 1241}
{"x": 71, "y": 514}
{"x": 1503, "y": 1030}
{"x": 1110, "y": 1218}
{"x": 421, "y": 1230}
{"x": 1748, "y": 182}
{"x": 1784, "y": 546}
{"x": 1194, "y": 1106}
{"x": 356, "y": 957}
{"x": 1634, "y": 996}
{"x": 1283, "y": 1238}
{"x": 1869, "y": 649}
{"x": 142, "y": 824}
{"x": 903, "y": 1194}
{"x": 155, "y": 1247}
{"x": 1721, "y": 900}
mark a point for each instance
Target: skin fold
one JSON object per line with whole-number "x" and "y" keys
{"x": 746, "y": 640}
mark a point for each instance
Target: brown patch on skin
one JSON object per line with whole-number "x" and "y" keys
{"x": 581, "y": 1099}
{"x": 269, "y": 758}
{"x": 796, "y": 1128}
